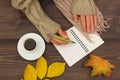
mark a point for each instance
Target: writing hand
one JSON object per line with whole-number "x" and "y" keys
{"x": 62, "y": 34}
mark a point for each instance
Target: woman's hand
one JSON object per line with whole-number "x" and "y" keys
{"x": 62, "y": 34}
{"x": 88, "y": 22}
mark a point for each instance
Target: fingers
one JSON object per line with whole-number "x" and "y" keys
{"x": 88, "y": 23}
{"x": 62, "y": 33}
{"x": 75, "y": 18}
{"x": 92, "y": 26}
{"x": 57, "y": 42}
{"x": 95, "y": 20}
{"x": 83, "y": 22}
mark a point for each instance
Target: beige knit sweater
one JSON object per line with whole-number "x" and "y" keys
{"x": 37, "y": 16}
{"x": 47, "y": 27}
{"x": 81, "y": 7}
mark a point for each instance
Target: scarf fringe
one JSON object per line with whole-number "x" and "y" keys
{"x": 102, "y": 24}
{"x": 65, "y": 7}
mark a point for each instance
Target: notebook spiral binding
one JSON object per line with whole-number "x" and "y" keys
{"x": 79, "y": 41}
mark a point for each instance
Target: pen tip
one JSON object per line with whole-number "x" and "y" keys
{"x": 73, "y": 42}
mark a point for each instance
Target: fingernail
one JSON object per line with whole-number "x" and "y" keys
{"x": 75, "y": 20}
{"x": 66, "y": 37}
{"x": 84, "y": 30}
{"x": 88, "y": 31}
{"x": 92, "y": 29}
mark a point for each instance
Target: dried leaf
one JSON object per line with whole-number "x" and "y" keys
{"x": 47, "y": 79}
{"x": 41, "y": 67}
{"x": 100, "y": 66}
{"x": 30, "y": 73}
{"x": 56, "y": 69}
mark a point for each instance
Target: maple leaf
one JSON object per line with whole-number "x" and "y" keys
{"x": 99, "y": 65}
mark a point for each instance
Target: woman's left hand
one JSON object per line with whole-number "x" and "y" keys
{"x": 88, "y": 22}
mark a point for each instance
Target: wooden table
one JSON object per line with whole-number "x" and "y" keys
{"x": 14, "y": 24}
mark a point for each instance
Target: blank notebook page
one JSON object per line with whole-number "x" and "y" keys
{"x": 73, "y": 52}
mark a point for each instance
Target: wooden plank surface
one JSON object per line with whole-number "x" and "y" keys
{"x": 14, "y": 24}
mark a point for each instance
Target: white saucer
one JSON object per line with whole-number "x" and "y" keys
{"x": 35, "y": 53}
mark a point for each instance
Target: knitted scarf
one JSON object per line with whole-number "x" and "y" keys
{"x": 46, "y": 26}
{"x": 81, "y": 7}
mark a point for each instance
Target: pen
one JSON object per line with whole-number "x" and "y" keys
{"x": 63, "y": 39}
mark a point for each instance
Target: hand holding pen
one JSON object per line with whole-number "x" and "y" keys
{"x": 61, "y": 38}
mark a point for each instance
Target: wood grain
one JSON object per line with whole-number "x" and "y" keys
{"x": 14, "y": 24}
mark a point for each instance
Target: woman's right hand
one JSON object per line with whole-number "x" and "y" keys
{"x": 62, "y": 34}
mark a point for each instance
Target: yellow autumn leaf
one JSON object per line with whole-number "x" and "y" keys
{"x": 56, "y": 69}
{"x": 47, "y": 79}
{"x": 100, "y": 66}
{"x": 41, "y": 67}
{"x": 30, "y": 73}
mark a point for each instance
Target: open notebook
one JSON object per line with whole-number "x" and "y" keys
{"x": 73, "y": 52}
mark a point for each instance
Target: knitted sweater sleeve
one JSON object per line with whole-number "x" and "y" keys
{"x": 37, "y": 16}
{"x": 83, "y": 7}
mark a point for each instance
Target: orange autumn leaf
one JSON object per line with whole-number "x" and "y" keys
{"x": 100, "y": 66}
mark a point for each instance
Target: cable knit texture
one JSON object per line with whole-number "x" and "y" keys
{"x": 81, "y": 7}
{"x": 37, "y": 16}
